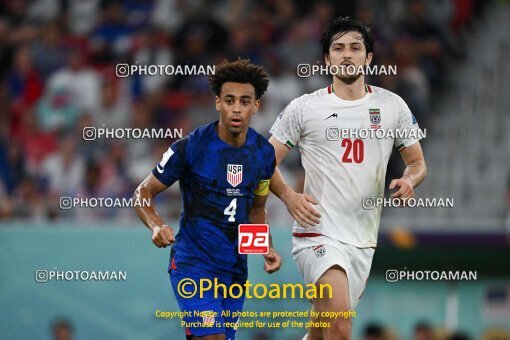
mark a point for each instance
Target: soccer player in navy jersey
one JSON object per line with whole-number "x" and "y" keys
{"x": 223, "y": 170}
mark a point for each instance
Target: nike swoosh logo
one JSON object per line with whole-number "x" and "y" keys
{"x": 334, "y": 115}
{"x": 159, "y": 170}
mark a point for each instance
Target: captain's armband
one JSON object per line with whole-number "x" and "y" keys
{"x": 262, "y": 188}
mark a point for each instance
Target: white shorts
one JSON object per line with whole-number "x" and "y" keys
{"x": 315, "y": 255}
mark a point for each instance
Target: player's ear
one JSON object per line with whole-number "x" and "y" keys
{"x": 218, "y": 104}
{"x": 368, "y": 60}
{"x": 257, "y": 105}
{"x": 326, "y": 60}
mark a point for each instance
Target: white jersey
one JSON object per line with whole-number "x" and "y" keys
{"x": 341, "y": 171}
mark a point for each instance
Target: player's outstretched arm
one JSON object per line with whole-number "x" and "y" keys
{"x": 299, "y": 205}
{"x": 162, "y": 234}
{"x": 258, "y": 215}
{"x": 414, "y": 174}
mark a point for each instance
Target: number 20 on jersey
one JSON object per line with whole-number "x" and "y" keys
{"x": 353, "y": 150}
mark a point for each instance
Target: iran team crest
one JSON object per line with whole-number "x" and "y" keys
{"x": 320, "y": 251}
{"x": 375, "y": 116}
{"x": 234, "y": 174}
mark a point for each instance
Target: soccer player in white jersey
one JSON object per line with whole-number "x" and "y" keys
{"x": 334, "y": 237}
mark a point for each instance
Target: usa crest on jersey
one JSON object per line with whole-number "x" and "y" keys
{"x": 234, "y": 174}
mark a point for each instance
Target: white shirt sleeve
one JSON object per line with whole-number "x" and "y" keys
{"x": 407, "y": 125}
{"x": 287, "y": 128}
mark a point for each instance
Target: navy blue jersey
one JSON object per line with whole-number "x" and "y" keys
{"x": 217, "y": 183}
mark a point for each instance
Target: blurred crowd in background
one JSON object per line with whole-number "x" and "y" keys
{"x": 57, "y": 76}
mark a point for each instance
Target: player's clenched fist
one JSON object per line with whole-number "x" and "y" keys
{"x": 272, "y": 261}
{"x": 163, "y": 236}
{"x": 404, "y": 188}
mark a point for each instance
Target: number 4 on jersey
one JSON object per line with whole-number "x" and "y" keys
{"x": 231, "y": 210}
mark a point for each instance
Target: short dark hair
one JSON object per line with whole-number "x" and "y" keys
{"x": 344, "y": 25}
{"x": 61, "y": 323}
{"x": 373, "y": 329}
{"x": 239, "y": 71}
{"x": 422, "y": 326}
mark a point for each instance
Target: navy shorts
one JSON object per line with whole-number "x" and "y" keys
{"x": 208, "y": 314}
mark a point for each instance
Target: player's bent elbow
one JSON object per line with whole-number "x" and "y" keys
{"x": 424, "y": 168}
{"x": 141, "y": 192}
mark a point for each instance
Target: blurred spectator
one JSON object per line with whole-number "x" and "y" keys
{"x": 79, "y": 80}
{"x": 70, "y": 92}
{"x": 374, "y": 332}
{"x": 199, "y": 39}
{"x": 49, "y": 52}
{"x": 425, "y": 39}
{"x": 169, "y": 14}
{"x": 112, "y": 37}
{"x": 36, "y": 144}
{"x": 62, "y": 330}
{"x": 114, "y": 109}
{"x": 507, "y": 217}
{"x": 25, "y": 82}
{"x": 5, "y": 203}
{"x": 64, "y": 169}
{"x": 299, "y": 35}
{"x": 82, "y": 16}
{"x": 459, "y": 336}
{"x": 43, "y": 10}
{"x": 423, "y": 331}
{"x": 114, "y": 171}
{"x": 11, "y": 165}
{"x": 261, "y": 335}
{"x": 6, "y": 48}
{"x": 151, "y": 48}
{"x": 496, "y": 333}
{"x": 29, "y": 202}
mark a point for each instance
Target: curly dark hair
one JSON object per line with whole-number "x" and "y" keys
{"x": 239, "y": 71}
{"x": 344, "y": 25}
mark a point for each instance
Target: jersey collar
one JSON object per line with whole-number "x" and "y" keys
{"x": 331, "y": 90}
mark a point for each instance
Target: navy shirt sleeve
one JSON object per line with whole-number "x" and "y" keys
{"x": 174, "y": 164}
{"x": 270, "y": 162}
